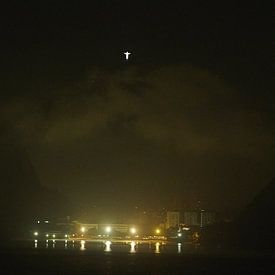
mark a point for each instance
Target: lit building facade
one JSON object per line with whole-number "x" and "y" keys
{"x": 172, "y": 219}
{"x": 191, "y": 218}
{"x": 199, "y": 218}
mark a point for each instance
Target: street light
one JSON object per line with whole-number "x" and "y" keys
{"x": 157, "y": 231}
{"x": 133, "y": 230}
{"x": 83, "y": 229}
{"x": 108, "y": 229}
{"x": 35, "y": 233}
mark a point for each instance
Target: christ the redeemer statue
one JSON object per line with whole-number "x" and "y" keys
{"x": 127, "y": 55}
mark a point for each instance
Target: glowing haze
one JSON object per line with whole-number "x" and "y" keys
{"x": 174, "y": 134}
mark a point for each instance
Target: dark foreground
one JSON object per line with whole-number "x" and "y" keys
{"x": 93, "y": 262}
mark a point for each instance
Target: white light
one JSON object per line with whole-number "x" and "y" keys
{"x": 38, "y": 221}
{"x": 47, "y": 235}
{"x": 157, "y": 248}
{"x": 179, "y": 247}
{"x": 82, "y": 245}
{"x": 46, "y": 221}
{"x": 127, "y": 55}
{"x": 83, "y": 229}
{"x": 133, "y": 247}
{"x": 108, "y": 229}
{"x": 66, "y": 236}
{"x": 179, "y": 234}
{"x": 133, "y": 230}
{"x": 53, "y": 235}
{"x": 107, "y": 246}
{"x": 35, "y": 233}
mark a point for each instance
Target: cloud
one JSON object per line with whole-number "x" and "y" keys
{"x": 188, "y": 109}
{"x": 138, "y": 129}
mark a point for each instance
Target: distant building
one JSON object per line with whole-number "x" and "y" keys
{"x": 207, "y": 218}
{"x": 191, "y": 218}
{"x": 122, "y": 228}
{"x": 102, "y": 229}
{"x": 199, "y": 218}
{"x": 172, "y": 219}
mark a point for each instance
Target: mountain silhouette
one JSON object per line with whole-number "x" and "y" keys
{"x": 22, "y": 197}
{"x": 253, "y": 229}
{"x": 255, "y": 225}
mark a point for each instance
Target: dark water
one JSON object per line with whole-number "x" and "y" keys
{"x": 126, "y": 258}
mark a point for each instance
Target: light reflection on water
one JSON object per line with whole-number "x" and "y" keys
{"x": 82, "y": 245}
{"x": 179, "y": 247}
{"x": 107, "y": 246}
{"x": 133, "y": 246}
{"x": 157, "y": 248}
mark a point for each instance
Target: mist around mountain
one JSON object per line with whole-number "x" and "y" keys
{"x": 22, "y": 197}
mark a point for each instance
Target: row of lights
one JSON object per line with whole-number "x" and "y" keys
{"x": 47, "y": 235}
{"x": 108, "y": 230}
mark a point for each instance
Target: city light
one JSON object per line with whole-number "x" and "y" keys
{"x": 157, "y": 231}
{"x": 179, "y": 234}
{"x": 107, "y": 246}
{"x": 47, "y": 235}
{"x": 66, "y": 236}
{"x": 83, "y": 229}
{"x": 82, "y": 245}
{"x": 133, "y": 230}
{"x": 35, "y": 233}
{"x": 157, "y": 248}
{"x": 53, "y": 235}
{"x": 133, "y": 247}
{"x": 108, "y": 229}
{"x": 179, "y": 247}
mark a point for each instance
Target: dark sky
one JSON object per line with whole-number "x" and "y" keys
{"x": 189, "y": 117}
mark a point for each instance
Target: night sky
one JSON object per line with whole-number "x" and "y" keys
{"x": 189, "y": 117}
